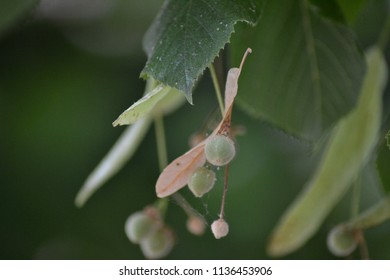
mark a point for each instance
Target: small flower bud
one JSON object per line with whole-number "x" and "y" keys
{"x": 196, "y": 225}
{"x": 340, "y": 242}
{"x": 158, "y": 244}
{"x": 219, "y": 150}
{"x": 220, "y": 228}
{"x": 138, "y": 226}
{"x": 201, "y": 181}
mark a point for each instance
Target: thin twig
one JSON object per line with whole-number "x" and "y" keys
{"x": 185, "y": 205}
{"x": 225, "y": 187}
{"x": 362, "y": 245}
{"x": 161, "y": 143}
{"x": 162, "y": 156}
{"x": 217, "y": 88}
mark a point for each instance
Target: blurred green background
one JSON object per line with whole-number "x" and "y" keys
{"x": 67, "y": 70}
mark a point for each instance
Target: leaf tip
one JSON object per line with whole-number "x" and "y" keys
{"x": 276, "y": 247}
{"x": 81, "y": 198}
{"x": 189, "y": 98}
{"x": 115, "y": 123}
{"x": 273, "y": 250}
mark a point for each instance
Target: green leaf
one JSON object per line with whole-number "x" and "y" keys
{"x": 12, "y": 10}
{"x": 171, "y": 101}
{"x": 349, "y": 149}
{"x": 305, "y": 71}
{"x": 157, "y": 100}
{"x": 116, "y": 158}
{"x": 187, "y": 35}
{"x": 142, "y": 107}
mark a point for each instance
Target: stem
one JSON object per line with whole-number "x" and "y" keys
{"x": 162, "y": 204}
{"x": 161, "y": 143}
{"x": 185, "y": 205}
{"x": 362, "y": 245}
{"x": 373, "y": 216}
{"x": 225, "y": 186}
{"x": 217, "y": 88}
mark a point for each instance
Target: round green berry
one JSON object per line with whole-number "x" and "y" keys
{"x": 201, "y": 181}
{"x": 219, "y": 150}
{"x": 341, "y": 242}
{"x": 158, "y": 244}
{"x": 138, "y": 226}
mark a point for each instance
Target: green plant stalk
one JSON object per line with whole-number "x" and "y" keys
{"x": 373, "y": 216}
{"x": 217, "y": 89}
{"x": 222, "y": 108}
{"x": 161, "y": 142}
{"x": 162, "y": 203}
{"x": 225, "y": 186}
{"x": 186, "y": 206}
